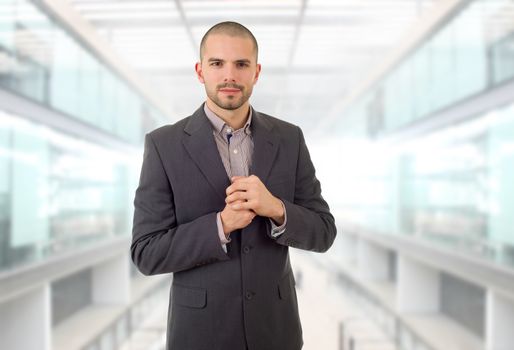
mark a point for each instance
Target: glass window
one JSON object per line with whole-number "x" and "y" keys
{"x": 64, "y": 80}
{"x": 400, "y": 88}
{"x": 442, "y": 68}
{"x": 500, "y": 152}
{"x": 5, "y": 189}
{"x": 108, "y": 100}
{"x": 7, "y": 59}
{"x": 499, "y": 38}
{"x": 42, "y": 61}
{"x": 52, "y": 194}
{"x": 33, "y": 37}
{"x": 502, "y": 56}
{"x": 470, "y": 70}
{"x": 422, "y": 82}
{"x": 88, "y": 88}
{"x": 7, "y": 21}
{"x": 29, "y": 186}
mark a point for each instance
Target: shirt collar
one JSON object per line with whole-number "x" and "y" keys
{"x": 219, "y": 124}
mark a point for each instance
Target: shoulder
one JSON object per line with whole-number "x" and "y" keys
{"x": 286, "y": 131}
{"x": 169, "y": 131}
{"x": 279, "y": 125}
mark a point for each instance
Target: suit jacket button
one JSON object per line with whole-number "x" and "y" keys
{"x": 246, "y": 249}
{"x": 248, "y": 295}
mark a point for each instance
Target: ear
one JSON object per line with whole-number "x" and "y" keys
{"x": 199, "y": 72}
{"x": 257, "y": 73}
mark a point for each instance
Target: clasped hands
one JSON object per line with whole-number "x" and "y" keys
{"x": 246, "y": 198}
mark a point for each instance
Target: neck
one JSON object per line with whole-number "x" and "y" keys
{"x": 235, "y": 118}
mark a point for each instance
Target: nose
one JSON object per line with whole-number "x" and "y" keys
{"x": 230, "y": 73}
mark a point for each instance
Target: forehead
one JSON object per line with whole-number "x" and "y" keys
{"x": 228, "y": 47}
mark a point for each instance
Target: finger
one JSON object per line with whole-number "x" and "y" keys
{"x": 250, "y": 216}
{"x": 254, "y": 178}
{"x": 236, "y": 186}
{"x": 241, "y": 206}
{"x": 236, "y": 196}
{"x": 235, "y": 178}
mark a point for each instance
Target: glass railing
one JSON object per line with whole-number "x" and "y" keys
{"x": 391, "y": 324}
{"x": 119, "y": 334}
{"x": 453, "y": 187}
{"x": 59, "y": 193}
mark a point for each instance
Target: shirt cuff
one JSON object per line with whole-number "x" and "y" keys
{"x": 223, "y": 239}
{"x": 278, "y": 230}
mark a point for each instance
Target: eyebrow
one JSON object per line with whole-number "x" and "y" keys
{"x": 243, "y": 60}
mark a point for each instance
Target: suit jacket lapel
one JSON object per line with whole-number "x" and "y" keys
{"x": 201, "y": 146}
{"x": 265, "y": 142}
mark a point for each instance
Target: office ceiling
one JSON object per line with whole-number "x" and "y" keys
{"x": 312, "y": 51}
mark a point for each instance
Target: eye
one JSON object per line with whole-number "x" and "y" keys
{"x": 242, "y": 64}
{"x": 216, "y": 63}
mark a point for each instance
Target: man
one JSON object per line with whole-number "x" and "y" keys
{"x": 222, "y": 195}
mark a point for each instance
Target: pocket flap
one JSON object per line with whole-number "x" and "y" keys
{"x": 285, "y": 285}
{"x": 189, "y": 296}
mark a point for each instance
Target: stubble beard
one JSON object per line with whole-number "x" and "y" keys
{"x": 233, "y": 102}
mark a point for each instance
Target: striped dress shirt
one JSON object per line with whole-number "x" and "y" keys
{"x": 236, "y": 150}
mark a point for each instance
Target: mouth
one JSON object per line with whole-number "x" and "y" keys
{"x": 229, "y": 91}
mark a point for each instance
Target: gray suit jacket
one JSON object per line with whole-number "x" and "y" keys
{"x": 225, "y": 301}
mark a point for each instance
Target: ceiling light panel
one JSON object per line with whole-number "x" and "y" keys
{"x": 246, "y": 4}
{"x": 149, "y": 15}
{"x": 319, "y": 46}
{"x": 127, "y": 10}
{"x": 165, "y": 48}
{"x": 209, "y": 13}
{"x": 107, "y": 6}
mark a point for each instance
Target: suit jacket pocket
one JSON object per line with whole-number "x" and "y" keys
{"x": 285, "y": 286}
{"x": 189, "y": 296}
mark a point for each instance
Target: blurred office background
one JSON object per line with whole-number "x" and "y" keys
{"x": 408, "y": 110}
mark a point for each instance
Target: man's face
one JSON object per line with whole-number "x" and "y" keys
{"x": 228, "y": 69}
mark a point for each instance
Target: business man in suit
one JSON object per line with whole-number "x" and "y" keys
{"x": 222, "y": 196}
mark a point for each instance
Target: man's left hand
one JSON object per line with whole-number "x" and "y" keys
{"x": 254, "y": 196}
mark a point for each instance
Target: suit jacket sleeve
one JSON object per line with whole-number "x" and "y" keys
{"x": 310, "y": 225}
{"x": 159, "y": 244}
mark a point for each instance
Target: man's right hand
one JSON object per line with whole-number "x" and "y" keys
{"x": 235, "y": 219}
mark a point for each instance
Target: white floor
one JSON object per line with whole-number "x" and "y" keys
{"x": 324, "y": 307}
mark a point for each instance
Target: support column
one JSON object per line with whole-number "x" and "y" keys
{"x": 25, "y": 322}
{"x": 111, "y": 281}
{"x": 372, "y": 261}
{"x": 499, "y": 321}
{"x": 418, "y": 286}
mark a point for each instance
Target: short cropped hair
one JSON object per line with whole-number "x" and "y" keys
{"x": 231, "y": 29}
